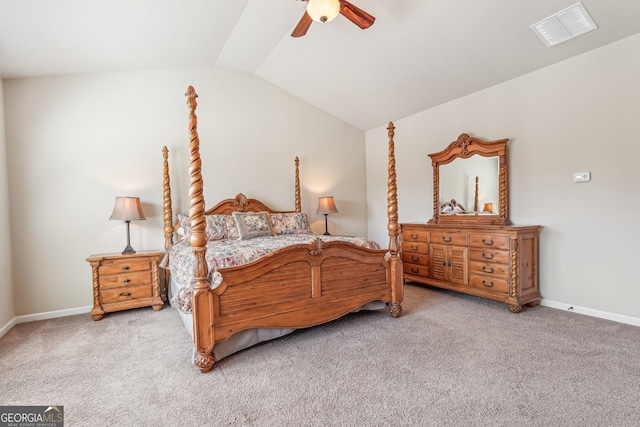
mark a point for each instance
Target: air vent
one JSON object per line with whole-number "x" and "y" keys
{"x": 564, "y": 25}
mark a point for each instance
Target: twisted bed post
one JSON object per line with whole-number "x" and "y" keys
{"x": 166, "y": 200}
{"x": 202, "y": 302}
{"x": 297, "y": 183}
{"x": 168, "y": 214}
{"x": 397, "y": 285}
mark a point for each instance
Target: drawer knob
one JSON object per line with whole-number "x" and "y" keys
{"x": 126, "y": 280}
{"x": 488, "y": 285}
{"x": 415, "y": 258}
{"x": 414, "y": 248}
{"x": 414, "y": 236}
{"x": 126, "y": 267}
{"x": 415, "y": 270}
{"x": 488, "y": 243}
{"x": 487, "y": 257}
{"x": 484, "y": 268}
{"x": 126, "y": 294}
{"x": 444, "y": 239}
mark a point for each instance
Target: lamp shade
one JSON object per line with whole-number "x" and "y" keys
{"x": 127, "y": 209}
{"x": 323, "y": 10}
{"x": 326, "y": 206}
{"x": 488, "y": 207}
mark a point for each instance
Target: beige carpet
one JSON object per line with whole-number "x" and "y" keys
{"x": 450, "y": 360}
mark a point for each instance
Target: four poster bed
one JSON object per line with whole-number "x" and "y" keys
{"x": 232, "y": 300}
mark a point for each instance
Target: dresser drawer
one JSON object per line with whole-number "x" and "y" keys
{"x": 446, "y": 238}
{"x": 121, "y": 266}
{"x": 489, "y": 255}
{"x": 492, "y": 270}
{"x": 415, "y": 247}
{"x": 417, "y": 270}
{"x": 129, "y": 279}
{"x": 414, "y": 235}
{"x": 488, "y": 241}
{"x": 126, "y": 294}
{"x": 415, "y": 258}
{"x": 488, "y": 283}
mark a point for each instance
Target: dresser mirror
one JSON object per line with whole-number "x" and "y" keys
{"x": 470, "y": 182}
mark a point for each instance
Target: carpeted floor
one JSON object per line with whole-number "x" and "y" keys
{"x": 450, "y": 360}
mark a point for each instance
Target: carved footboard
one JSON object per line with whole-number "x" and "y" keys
{"x": 299, "y": 286}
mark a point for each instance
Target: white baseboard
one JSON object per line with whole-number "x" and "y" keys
{"x": 635, "y": 321}
{"x": 6, "y": 328}
{"x": 43, "y": 316}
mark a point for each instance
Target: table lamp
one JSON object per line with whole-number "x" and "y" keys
{"x": 326, "y": 206}
{"x": 127, "y": 209}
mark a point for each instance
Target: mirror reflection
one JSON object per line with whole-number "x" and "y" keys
{"x": 458, "y": 186}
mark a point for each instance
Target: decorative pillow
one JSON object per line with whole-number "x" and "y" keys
{"x": 221, "y": 227}
{"x": 217, "y": 227}
{"x": 185, "y": 225}
{"x": 290, "y": 223}
{"x": 253, "y": 224}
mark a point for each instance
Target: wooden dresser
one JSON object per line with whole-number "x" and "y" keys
{"x": 121, "y": 282}
{"x": 494, "y": 262}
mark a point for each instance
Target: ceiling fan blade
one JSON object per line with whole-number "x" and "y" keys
{"x": 303, "y": 26}
{"x": 356, "y": 15}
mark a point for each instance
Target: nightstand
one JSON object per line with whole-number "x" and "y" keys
{"x": 121, "y": 282}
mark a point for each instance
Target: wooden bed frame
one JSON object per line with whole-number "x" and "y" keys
{"x": 294, "y": 287}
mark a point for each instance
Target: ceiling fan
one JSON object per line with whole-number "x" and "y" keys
{"x": 326, "y": 10}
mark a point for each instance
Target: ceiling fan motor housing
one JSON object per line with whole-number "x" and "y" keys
{"x": 323, "y": 10}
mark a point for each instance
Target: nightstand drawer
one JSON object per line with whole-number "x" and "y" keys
{"x": 126, "y": 293}
{"x": 128, "y": 279}
{"x": 123, "y": 266}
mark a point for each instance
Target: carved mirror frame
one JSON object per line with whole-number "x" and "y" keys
{"x": 462, "y": 148}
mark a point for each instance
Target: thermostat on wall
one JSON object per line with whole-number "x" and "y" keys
{"x": 582, "y": 177}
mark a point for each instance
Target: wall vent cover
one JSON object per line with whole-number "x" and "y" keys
{"x": 564, "y": 25}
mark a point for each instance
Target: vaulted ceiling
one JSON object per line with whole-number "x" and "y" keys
{"x": 418, "y": 53}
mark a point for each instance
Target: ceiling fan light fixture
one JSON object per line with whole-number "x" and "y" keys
{"x": 323, "y": 10}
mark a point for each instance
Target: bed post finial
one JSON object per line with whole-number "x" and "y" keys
{"x": 202, "y": 299}
{"x": 191, "y": 99}
{"x": 397, "y": 281}
{"x": 166, "y": 200}
{"x": 297, "y": 195}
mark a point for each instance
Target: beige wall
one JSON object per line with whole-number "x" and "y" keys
{"x": 6, "y": 289}
{"x": 579, "y": 115}
{"x": 77, "y": 142}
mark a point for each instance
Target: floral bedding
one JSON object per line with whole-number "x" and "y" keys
{"x": 231, "y": 252}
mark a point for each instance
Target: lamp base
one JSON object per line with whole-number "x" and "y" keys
{"x": 326, "y": 225}
{"x": 128, "y": 250}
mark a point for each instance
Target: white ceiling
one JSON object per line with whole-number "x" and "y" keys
{"x": 418, "y": 53}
